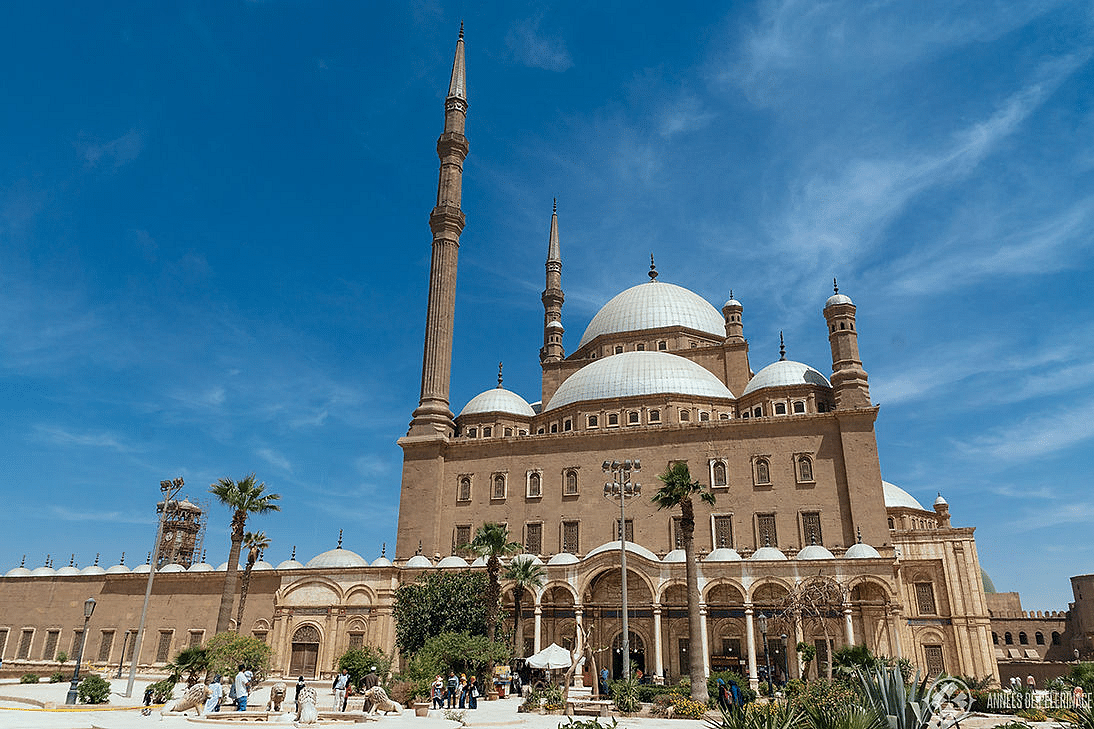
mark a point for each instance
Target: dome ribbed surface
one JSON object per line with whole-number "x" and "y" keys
{"x": 785, "y": 373}
{"x": 838, "y": 299}
{"x": 653, "y": 305}
{"x": 632, "y": 374}
{"x": 498, "y": 400}
{"x": 337, "y": 558}
{"x": 896, "y": 497}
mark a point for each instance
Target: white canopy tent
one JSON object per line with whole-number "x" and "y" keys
{"x": 552, "y": 657}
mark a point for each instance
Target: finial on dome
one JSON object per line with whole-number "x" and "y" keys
{"x": 148, "y": 559}
{"x": 96, "y": 559}
{"x": 782, "y": 348}
{"x": 653, "y": 269}
{"x": 731, "y": 293}
{"x": 293, "y": 555}
{"x": 383, "y": 549}
{"x": 767, "y": 539}
{"x": 122, "y": 561}
{"x": 204, "y": 556}
{"x": 812, "y": 537}
{"x": 499, "y": 375}
{"x": 72, "y": 560}
{"x": 858, "y": 534}
{"x": 339, "y": 539}
{"x": 835, "y": 286}
{"x": 47, "y": 560}
{"x": 23, "y": 562}
{"x": 419, "y": 549}
{"x": 554, "y": 210}
{"x": 461, "y": 30}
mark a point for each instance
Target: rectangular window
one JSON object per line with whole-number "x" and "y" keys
{"x": 356, "y": 640}
{"x": 677, "y": 533}
{"x": 633, "y": 417}
{"x": 131, "y": 646}
{"x": 196, "y": 637}
{"x": 571, "y": 537}
{"x": 683, "y": 665}
{"x": 533, "y": 538}
{"x": 613, "y": 419}
{"x": 487, "y": 431}
{"x": 655, "y": 416}
{"x": 569, "y": 485}
{"x": 49, "y": 652}
{"x": 765, "y": 531}
{"x": 461, "y": 539}
{"x": 593, "y": 421}
{"x": 3, "y": 641}
{"x": 567, "y": 425}
{"x": 935, "y": 664}
{"x": 24, "y": 645}
{"x": 628, "y": 526}
{"x": 731, "y": 647}
{"x": 163, "y": 650}
{"x": 723, "y": 531}
{"x": 924, "y": 598}
{"x": 76, "y": 636}
{"x": 811, "y": 528}
{"x": 106, "y": 645}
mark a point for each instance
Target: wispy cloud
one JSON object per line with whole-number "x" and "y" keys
{"x": 1035, "y": 436}
{"x": 60, "y": 436}
{"x": 105, "y": 517}
{"x": 274, "y": 458}
{"x": 534, "y": 47}
{"x": 115, "y": 152}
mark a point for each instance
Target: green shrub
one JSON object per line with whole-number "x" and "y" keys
{"x": 29, "y": 678}
{"x": 358, "y": 661}
{"x": 226, "y": 651}
{"x": 531, "y": 702}
{"x": 685, "y": 707}
{"x": 625, "y": 695}
{"x": 93, "y": 689}
{"x": 821, "y": 693}
{"x": 588, "y": 724}
{"x": 648, "y": 692}
{"x": 552, "y": 698}
{"x": 162, "y": 690}
{"x": 1032, "y": 714}
{"x": 62, "y": 656}
{"x": 58, "y": 677}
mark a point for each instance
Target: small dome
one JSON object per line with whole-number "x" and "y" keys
{"x": 43, "y": 571}
{"x": 452, "y": 561}
{"x": 498, "y": 400}
{"x": 336, "y": 558}
{"x": 418, "y": 561}
{"x": 815, "y": 551}
{"x": 118, "y": 569}
{"x": 676, "y": 555}
{"x": 563, "y": 558}
{"x": 523, "y": 557}
{"x": 93, "y": 570}
{"x": 554, "y": 324}
{"x": 222, "y": 567}
{"x": 171, "y": 568}
{"x": 767, "y": 554}
{"x": 861, "y": 551}
{"x": 262, "y": 565}
{"x": 838, "y": 299}
{"x": 382, "y": 561}
{"x": 898, "y": 498}
{"x": 187, "y": 505}
{"x": 479, "y": 562}
{"x": 786, "y": 373}
{"x": 985, "y": 580}
{"x": 941, "y": 501}
{"x": 18, "y": 572}
{"x": 144, "y": 569}
{"x": 290, "y": 564}
{"x": 653, "y": 305}
{"x": 732, "y": 303}
{"x": 200, "y": 567}
{"x": 723, "y": 554}
{"x": 632, "y": 374}
{"x": 67, "y": 571}
{"x": 631, "y": 547}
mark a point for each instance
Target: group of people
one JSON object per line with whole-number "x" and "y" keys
{"x": 343, "y": 689}
{"x": 729, "y": 696}
{"x": 446, "y": 692}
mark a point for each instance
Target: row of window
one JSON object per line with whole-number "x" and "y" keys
{"x": 721, "y": 533}
{"x": 661, "y": 345}
{"x": 488, "y": 431}
{"x": 51, "y": 645}
{"x": 1023, "y": 639}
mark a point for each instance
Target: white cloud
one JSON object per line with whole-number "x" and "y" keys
{"x": 274, "y": 458}
{"x": 63, "y": 437}
{"x": 532, "y": 47}
{"x": 1035, "y": 436}
{"x": 105, "y": 517}
{"x": 115, "y": 152}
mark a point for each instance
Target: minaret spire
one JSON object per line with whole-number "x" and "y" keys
{"x": 553, "y": 297}
{"x": 433, "y": 417}
{"x": 499, "y": 375}
{"x": 782, "y": 348}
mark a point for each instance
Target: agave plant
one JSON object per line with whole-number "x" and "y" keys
{"x": 905, "y": 706}
{"x": 847, "y": 716}
{"x": 762, "y": 716}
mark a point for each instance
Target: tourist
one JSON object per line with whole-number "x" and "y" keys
{"x": 604, "y": 682}
{"x": 240, "y": 686}
{"x": 472, "y": 693}
{"x": 1030, "y": 683}
{"x": 463, "y": 690}
{"x": 453, "y": 684}
{"x": 338, "y": 688}
{"x": 216, "y": 692}
{"x": 437, "y": 692}
{"x": 515, "y": 689}
{"x": 370, "y": 679}
{"x": 723, "y": 696}
{"x": 299, "y": 685}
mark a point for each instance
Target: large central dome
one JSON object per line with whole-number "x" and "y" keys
{"x": 653, "y": 305}
{"x": 632, "y": 374}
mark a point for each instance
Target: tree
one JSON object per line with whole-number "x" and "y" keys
{"x": 678, "y": 491}
{"x": 815, "y": 601}
{"x": 227, "y": 651}
{"x": 454, "y": 651}
{"x": 525, "y": 574}
{"x": 243, "y": 497}
{"x": 359, "y": 661}
{"x": 492, "y": 542}
{"x": 256, "y": 543}
{"x": 190, "y": 661}
{"x": 436, "y": 603}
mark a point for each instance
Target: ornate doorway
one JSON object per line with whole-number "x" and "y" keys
{"x": 638, "y": 654}
{"x": 305, "y": 652}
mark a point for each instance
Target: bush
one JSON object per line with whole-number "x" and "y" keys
{"x": 686, "y": 707}
{"x": 358, "y": 661}
{"x": 531, "y": 702}
{"x": 57, "y": 677}
{"x": 552, "y": 698}
{"x": 649, "y": 692}
{"x": 93, "y": 690}
{"x": 588, "y": 724}
{"x": 1031, "y": 714}
{"x": 29, "y": 678}
{"x": 821, "y": 693}
{"x": 625, "y": 695}
{"x": 62, "y": 656}
{"x": 226, "y": 651}
{"x": 162, "y": 691}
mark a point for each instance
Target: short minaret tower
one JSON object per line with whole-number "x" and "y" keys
{"x": 552, "y": 298}
{"x": 848, "y": 377}
{"x": 433, "y": 416}
{"x": 732, "y": 311}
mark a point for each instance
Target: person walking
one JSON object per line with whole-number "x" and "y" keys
{"x": 453, "y": 684}
{"x": 299, "y": 685}
{"x": 437, "y": 692}
{"x": 370, "y": 679}
{"x": 215, "y": 693}
{"x": 472, "y": 693}
{"x": 723, "y": 696}
{"x": 463, "y": 690}
{"x": 240, "y": 685}
{"x": 338, "y": 688}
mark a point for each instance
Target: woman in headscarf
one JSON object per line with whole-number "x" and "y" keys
{"x": 216, "y": 692}
{"x": 724, "y": 702}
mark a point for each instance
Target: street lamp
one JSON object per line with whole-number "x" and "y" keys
{"x": 762, "y": 620}
{"x": 622, "y": 488}
{"x": 786, "y": 658}
{"x": 121, "y": 661}
{"x": 89, "y": 609}
{"x": 169, "y": 489}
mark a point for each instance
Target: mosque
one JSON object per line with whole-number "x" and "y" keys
{"x": 659, "y": 376}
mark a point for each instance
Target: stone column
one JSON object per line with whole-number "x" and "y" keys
{"x": 894, "y": 628}
{"x": 658, "y": 658}
{"x": 753, "y": 676}
{"x": 579, "y": 638}
{"x": 848, "y": 626}
{"x": 706, "y": 639}
{"x": 538, "y": 628}
{"x": 799, "y": 637}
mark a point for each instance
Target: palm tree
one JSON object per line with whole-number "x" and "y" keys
{"x": 256, "y": 543}
{"x": 526, "y": 574}
{"x": 492, "y": 542}
{"x": 677, "y": 491}
{"x": 244, "y": 497}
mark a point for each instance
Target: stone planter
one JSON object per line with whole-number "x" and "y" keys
{"x": 421, "y": 708}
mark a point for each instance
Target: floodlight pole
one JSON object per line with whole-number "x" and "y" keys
{"x": 169, "y": 489}
{"x": 621, "y": 486}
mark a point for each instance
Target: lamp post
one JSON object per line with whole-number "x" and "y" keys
{"x": 169, "y": 489}
{"x": 89, "y": 609}
{"x": 786, "y": 658}
{"x": 121, "y": 661}
{"x": 622, "y": 488}
{"x": 762, "y": 620}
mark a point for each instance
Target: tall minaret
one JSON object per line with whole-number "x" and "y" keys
{"x": 552, "y": 298}
{"x": 848, "y": 377}
{"x": 433, "y": 415}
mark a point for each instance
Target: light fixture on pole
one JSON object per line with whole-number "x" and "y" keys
{"x": 169, "y": 489}
{"x": 762, "y": 620}
{"x": 623, "y": 488}
{"x": 786, "y": 658}
{"x": 89, "y": 610}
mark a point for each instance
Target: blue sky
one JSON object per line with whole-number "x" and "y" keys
{"x": 213, "y": 219}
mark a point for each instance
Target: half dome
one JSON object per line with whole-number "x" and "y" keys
{"x": 172, "y": 568}
{"x": 67, "y": 571}
{"x": 563, "y": 558}
{"x": 93, "y": 570}
{"x": 145, "y": 568}
{"x": 498, "y": 400}
{"x": 200, "y": 567}
{"x": 382, "y": 561}
{"x": 290, "y": 564}
{"x": 631, "y": 547}
{"x": 18, "y": 572}
{"x": 815, "y": 551}
{"x": 43, "y": 571}
{"x": 262, "y": 565}
{"x": 118, "y": 569}
{"x": 898, "y": 498}
{"x": 633, "y": 374}
{"x": 452, "y": 561}
{"x": 676, "y": 555}
{"x": 723, "y": 554}
{"x": 786, "y": 373}
{"x": 653, "y": 305}
{"x": 861, "y": 550}
{"x": 337, "y": 557}
{"x": 525, "y": 558}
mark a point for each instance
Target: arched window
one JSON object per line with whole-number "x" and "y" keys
{"x": 633, "y": 417}
{"x": 757, "y": 412}
{"x": 570, "y": 486}
{"x": 1040, "y": 638}
{"x": 799, "y": 407}
{"x": 535, "y": 485}
{"x": 593, "y": 421}
{"x": 1055, "y": 638}
{"x": 780, "y": 408}
{"x": 655, "y": 416}
{"x": 892, "y": 525}
{"x": 763, "y": 471}
{"x": 508, "y": 432}
{"x": 1023, "y": 639}
{"x": 1008, "y": 639}
{"x": 499, "y": 486}
{"x": 995, "y": 637}
{"x": 464, "y": 491}
{"x": 662, "y": 346}
{"x": 719, "y": 471}
{"x": 487, "y": 431}
{"x": 723, "y": 416}
{"x": 640, "y": 348}
{"x": 568, "y": 424}
{"x": 805, "y": 468}
{"x": 472, "y": 432}
{"x": 619, "y": 349}
{"x": 685, "y": 416}
{"x": 704, "y": 417}
{"x": 613, "y": 418}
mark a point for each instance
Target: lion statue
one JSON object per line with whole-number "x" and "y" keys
{"x": 277, "y": 696}
{"x": 194, "y": 698}
{"x": 379, "y": 701}
{"x": 306, "y": 711}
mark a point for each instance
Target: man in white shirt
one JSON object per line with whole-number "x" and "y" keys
{"x": 241, "y": 684}
{"x": 341, "y": 682}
